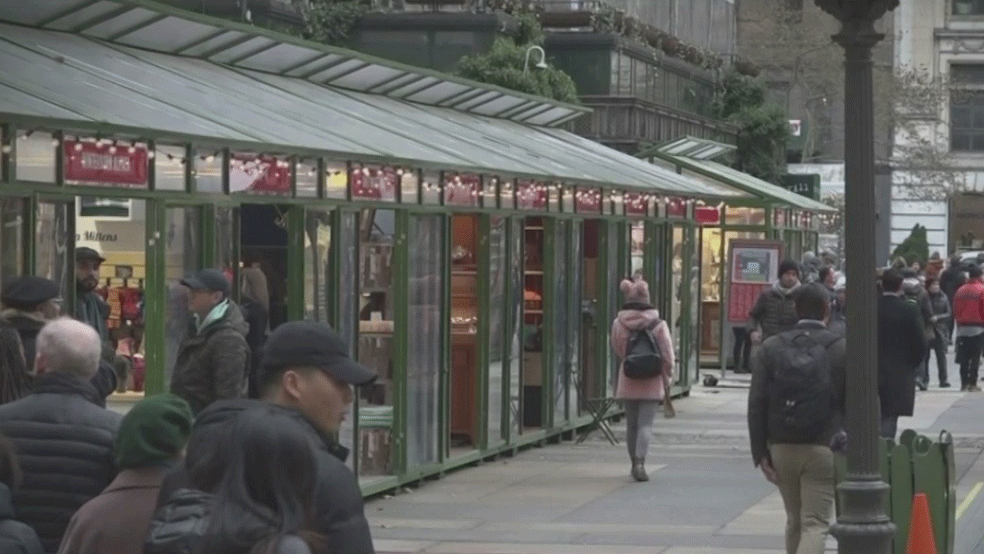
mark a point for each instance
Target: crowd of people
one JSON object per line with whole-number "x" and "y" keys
{"x": 240, "y": 457}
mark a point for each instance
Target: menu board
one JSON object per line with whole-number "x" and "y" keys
{"x": 753, "y": 267}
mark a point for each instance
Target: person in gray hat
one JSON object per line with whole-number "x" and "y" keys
{"x": 213, "y": 358}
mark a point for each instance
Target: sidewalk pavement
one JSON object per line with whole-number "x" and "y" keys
{"x": 704, "y": 496}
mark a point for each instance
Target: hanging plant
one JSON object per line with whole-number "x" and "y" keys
{"x": 693, "y": 55}
{"x": 670, "y": 44}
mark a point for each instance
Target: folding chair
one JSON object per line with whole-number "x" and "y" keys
{"x": 599, "y": 408}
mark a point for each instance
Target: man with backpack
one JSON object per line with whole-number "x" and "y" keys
{"x": 795, "y": 406}
{"x": 968, "y": 311}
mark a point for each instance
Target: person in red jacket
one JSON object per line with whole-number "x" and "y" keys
{"x": 968, "y": 311}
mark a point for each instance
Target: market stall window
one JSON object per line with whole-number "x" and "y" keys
{"x": 169, "y": 168}
{"x": 498, "y": 275}
{"x": 308, "y": 178}
{"x": 465, "y": 406}
{"x": 36, "y": 156}
{"x": 318, "y": 277}
{"x": 265, "y": 175}
{"x": 12, "y": 230}
{"x": 424, "y": 353}
{"x": 207, "y": 172}
{"x": 182, "y": 251}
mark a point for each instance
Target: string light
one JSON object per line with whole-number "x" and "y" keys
{"x": 5, "y": 149}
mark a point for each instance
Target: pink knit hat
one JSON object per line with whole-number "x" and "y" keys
{"x": 635, "y": 292}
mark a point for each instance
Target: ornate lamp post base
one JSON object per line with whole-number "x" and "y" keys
{"x": 862, "y": 526}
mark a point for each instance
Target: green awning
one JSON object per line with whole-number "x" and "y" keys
{"x": 86, "y": 80}
{"x": 695, "y": 155}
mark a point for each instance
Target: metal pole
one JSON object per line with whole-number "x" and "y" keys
{"x": 862, "y": 526}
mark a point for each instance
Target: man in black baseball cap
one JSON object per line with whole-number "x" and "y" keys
{"x": 90, "y": 308}
{"x": 213, "y": 357}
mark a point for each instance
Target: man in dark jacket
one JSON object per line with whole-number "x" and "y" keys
{"x": 798, "y": 457}
{"x": 91, "y": 309}
{"x": 212, "y": 359}
{"x": 307, "y": 371}
{"x": 775, "y": 309}
{"x": 63, "y": 438}
{"x": 901, "y": 349}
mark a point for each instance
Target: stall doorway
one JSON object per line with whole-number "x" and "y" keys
{"x": 533, "y": 322}
{"x": 263, "y": 244}
{"x": 463, "y": 387}
{"x": 592, "y": 325}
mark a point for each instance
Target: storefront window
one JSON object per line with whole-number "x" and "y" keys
{"x": 11, "y": 239}
{"x": 336, "y": 180}
{"x": 561, "y": 296}
{"x": 744, "y": 216}
{"x": 307, "y": 178}
{"x": 426, "y": 266}
{"x": 574, "y": 318}
{"x": 677, "y": 294}
{"x": 516, "y": 308}
{"x": 464, "y": 369}
{"x": 317, "y": 271}
{"x": 409, "y": 186}
{"x": 182, "y": 252}
{"x": 36, "y": 157}
{"x": 498, "y": 273}
{"x": 614, "y": 298}
{"x": 637, "y": 241}
{"x": 51, "y": 250}
{"x": 169, "y": 168}
{"x": 377, "y": 230}
{"x": 208, "y": 171}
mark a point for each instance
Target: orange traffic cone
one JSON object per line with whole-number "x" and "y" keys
{"x": 921, "y": 540}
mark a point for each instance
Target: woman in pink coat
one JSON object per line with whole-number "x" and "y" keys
{"x": 639, "y": 396}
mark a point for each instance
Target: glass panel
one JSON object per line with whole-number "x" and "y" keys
{"x": 36, "y": 157}
{"x": 611, "y": 242}
{"x": 347, "y": 294}
{"x": 317, "y": 276}
{"x": 498, "y": 267}
{"x": 11, "y": 239}
{"x": 182, "y": 252}
{"x": 534, "y": 266}
{"x": 266, "y": 175}
{"x": 637, "y": 243}
{"x": 464, "y": 329}
{"x": 116, "y": 229}
{"x": 169, "y": 168}
{"x": 594, "y": 322}
{"x": 307, "y": 178}
{"x": 225, "y": 243}
{"x": 376, "y": 313}
{"x": 516, "y": 308}
{"x": 676, "y": 303}
{"x": 336, "y": 178}
{"x": 507, "y": 198}
{"x": 409, "y": 186}
{"x": 208, "y": 171}
{"x": 425, "y": 345}
{"x": 51, "y": 254}
{"x": 574, "y": 319}
{"x": 431, "y": 189}
{"x": 692, "y": 298}
{"x": 744, "y": 216}
{"x": 561, "y": 295}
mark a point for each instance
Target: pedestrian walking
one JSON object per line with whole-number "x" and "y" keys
{"x": 952, "y": 278}
{"x": 775, "y": 310}
{"x": 151, "y": 438}
{"x": 260, "y": 505}
{"x": 901, "y": 350}
{"x": 838, "y": 310}
{"x": 795, "y": 406}
{"x": 942, "y": 314}
{"x": 255, "y": 297}
{"x": 915, "y": 293}
{"x": 742, "y": 348}
{"x": 968, "y": 311}
{"x": 307, "y": 374}
{"x": 74, "y": 461}
{"x": 16, "y": 537}
{"x": 641, "y": 342}
{"x": 213, "y": 358}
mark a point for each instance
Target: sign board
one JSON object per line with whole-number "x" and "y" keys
{"x": 753, "y": 266}
{"x": 462, "y": 190}
{"x": 105, "y": 164}
{"x": 374, "y": 184}
{"x": 707, "y": 215}
{"x": 264, "y": 175}
{"x": 531, "y": 196}
{"x": 587, "y": 201}
{"x": 807, "y": 184}
{"x": 796, "y": 127}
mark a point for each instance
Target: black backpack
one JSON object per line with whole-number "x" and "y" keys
{"x": 643, "y": 359}
{"x": 801, "y": 395}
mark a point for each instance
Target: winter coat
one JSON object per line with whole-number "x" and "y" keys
{"x": 64, "y": 441}
{"x": 629, "y": 320}
{"x": 764, "y": 368}
{"x": 338, "y": 501}
{"x": 901, "y": 349}
{"x": 212, "y": 362}
{"x": 951, "y": 279}
{"x": 774, "y": 311}
{"x": 968, "y": 304}
{"x": 92, "y": 309}
{"x": 116, "y": 521}
{"x": 941, "y": 315}
{"x": 15, "y": 537}
{"x": 914, "y": 292}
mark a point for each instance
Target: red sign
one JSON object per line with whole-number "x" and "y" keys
{"x": 262, "y": 175}
{"x": 531, "y": 196}
{"x": 374, "y": 184}
{"x": 462, "y": 190}
{"x": 89, "y": 162}
{"x": 707, "y": 215}
{"x": 753, "y": 267}
{"x": 741, "y": 299}
{"x": 635, "y": 204}
{"x": 676, "y": 207}
{"x": 587, "y": 201}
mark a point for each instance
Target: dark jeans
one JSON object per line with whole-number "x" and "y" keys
{"x": 938, "y": 346}
{"x": 969, "y": 358}
{"x": 743, "y": 348}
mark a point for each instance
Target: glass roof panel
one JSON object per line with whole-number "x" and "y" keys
{"x": 18, "y": 102}
{"x": 121, "y": 23}
{"x": 472, "y": 102}
{"x": 32, "y": 13}
{"x": 368, "y": 78}
{"x": 679, "y": 147}
{"x": 414, "y": 86}
{"x": 217, "y": 42}
{"x": 253, "y": 45}
{"x": 87, "y": 13}
{"x": 278, "y": 58}
{"x": 492, "y": 107}
{"x": 337, "y": 70}
{"x": 437, "y": 93}
{"x": 395, "y": 83}
{"x": 164, "y": 34}
{"x": 545, "y": 117}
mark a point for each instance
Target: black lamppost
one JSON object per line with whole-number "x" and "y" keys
{"x": 862, "y": 526}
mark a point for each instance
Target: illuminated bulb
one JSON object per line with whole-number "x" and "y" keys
{"x": 209, "y": 159}
{"x": 54, "y": 142}
{"x": 131, "y": 149}
{"x": 78, "y": 146}
{"x": 365, "y": 171}
{"x": 112, "y": 149}
{"x": 5, "y": 149}
{"x": 150, "y": 155}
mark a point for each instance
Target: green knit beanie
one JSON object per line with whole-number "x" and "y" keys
{"x": 155, "y": 430}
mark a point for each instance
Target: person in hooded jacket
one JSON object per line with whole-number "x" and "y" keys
{"x": 775, "y": 309}
{"x": 915, "y": 293}
{"x": 640, "y": 396}
{"x": 213, "y": 359}
{"x": 259, "y": 505}
{"x": 150, "y": 441}
{"x": 16, "y": 537}
{"x": 305, "y": 373}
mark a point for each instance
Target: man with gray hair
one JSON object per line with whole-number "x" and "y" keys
{"x": 63, "y": 438}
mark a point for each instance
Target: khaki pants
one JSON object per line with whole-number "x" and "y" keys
{"x": 806, "y": 483}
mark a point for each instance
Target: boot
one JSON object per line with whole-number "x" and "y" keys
{"x": 639, "y": 469}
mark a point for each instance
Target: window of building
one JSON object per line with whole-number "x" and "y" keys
{"x": 968, "y": 7}
{"x": 967, "y": 108}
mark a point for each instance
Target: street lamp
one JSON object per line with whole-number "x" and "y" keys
{"x": 862, "y": 526}
{"x": 542, "y": 64}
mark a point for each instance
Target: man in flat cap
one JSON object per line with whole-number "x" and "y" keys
{"x": 28, "y": 303}
{"x": 90, "y": 308}
{"x": 213, "y": 358}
